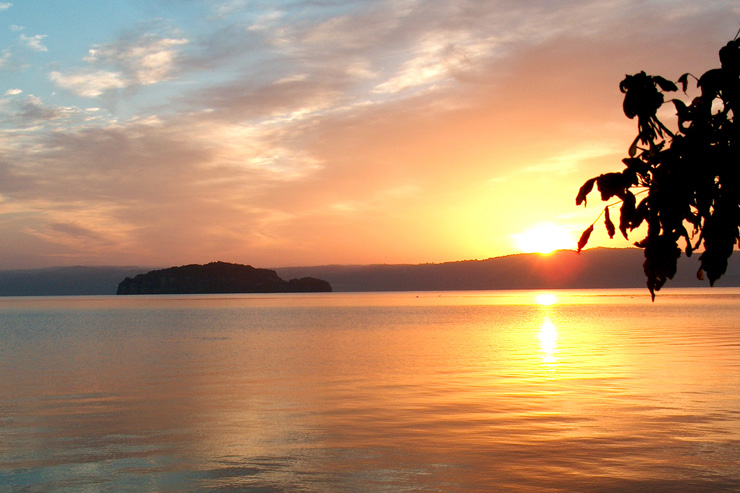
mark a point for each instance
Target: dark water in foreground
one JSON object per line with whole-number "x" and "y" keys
{"x": 453, "y": 391}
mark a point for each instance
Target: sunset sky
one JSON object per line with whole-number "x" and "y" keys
{"x": 298, "y": 132}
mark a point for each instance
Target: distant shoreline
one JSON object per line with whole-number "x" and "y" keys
{"x": 595, "y": 268}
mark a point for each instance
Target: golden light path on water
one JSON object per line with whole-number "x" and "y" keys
{"x": 549, "y": 341}
{"x": 548, "y": 334}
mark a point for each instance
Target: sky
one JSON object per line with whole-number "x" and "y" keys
{"x": 311, "y": 132}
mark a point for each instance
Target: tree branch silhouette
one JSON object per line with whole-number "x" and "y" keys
{"x": 691, "y": 175}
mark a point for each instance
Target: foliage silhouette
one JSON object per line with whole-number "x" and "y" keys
{"x": 689, "y": 179}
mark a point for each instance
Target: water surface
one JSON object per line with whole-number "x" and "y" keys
{"x": 448, "y": 391}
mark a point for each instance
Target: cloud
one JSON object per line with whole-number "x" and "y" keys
{"x": 5, "y": 57}
{"x": 89, "y": 83}
{"x": 288, "y": 98}
{"x": 26, "y": 122}
{"x": 5, "y": 6}
{"x": 335, "y": 61}
{"x": 131, "y": 184}
{"x": 141, "y": 61}
{"x": 571, "y": 160}
{"x": 437, "y": 59}
{"x": 229, "y": 7}
{"x": 34, "y": 42}
{"x": 75, "y": 231}
{"x": 31, "y": 112}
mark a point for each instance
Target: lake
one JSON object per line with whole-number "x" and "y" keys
{"x": 435, "y": 391}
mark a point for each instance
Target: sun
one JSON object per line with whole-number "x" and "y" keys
{"x": 543, "y": 238}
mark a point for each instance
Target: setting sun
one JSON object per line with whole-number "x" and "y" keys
{"x": 543, "y": 238}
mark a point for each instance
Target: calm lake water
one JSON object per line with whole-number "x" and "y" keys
{"x": 442, "y": 391}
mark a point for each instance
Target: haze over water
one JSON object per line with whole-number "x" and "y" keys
{"x": 443, "y": 391}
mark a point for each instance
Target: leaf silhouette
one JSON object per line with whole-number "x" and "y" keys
{"x": 633, "y": 147}
{"x": 661, "y": 257}
{"x": 684, "y": 81}
{"x": 610, "y": 184}
{"x": 626, "y": 213}
{"x": 710, "y": 83}
{"x": 585, "y": 190}
{"x": 665, "y": 84}
{"x": 608, "y": 222}
{"x": 584, "y": 238}
{"x": 729, "y": 56}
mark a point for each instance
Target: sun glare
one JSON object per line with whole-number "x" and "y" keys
{"x": 543, "y": 238}
{"x": 546, "y": 299}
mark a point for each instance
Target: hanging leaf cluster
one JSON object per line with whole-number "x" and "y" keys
{"x": 688, "y": 179}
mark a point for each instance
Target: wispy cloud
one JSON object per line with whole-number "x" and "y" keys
{"x": 32, "y": 110}
{"x": 88, "y": 83}
{"x": 34, "y": 42}
{"x": 5, "y": 56}
{"x": 145, "y": 60}
{"x": 31, "y": 115}
{"x": 130, "y": 62}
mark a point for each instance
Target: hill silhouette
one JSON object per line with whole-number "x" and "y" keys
{"x": 593, "y": 268}
{"x": 64, "y": 281}
{"x": 217, "y": 277}
{"x": 564, "y": 269}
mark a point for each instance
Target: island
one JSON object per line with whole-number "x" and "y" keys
{"x": 217, "y": 278}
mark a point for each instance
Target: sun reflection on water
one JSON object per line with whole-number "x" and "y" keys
{"x": 548, "y": 334}
{"x": 549, "y": 342}
{"x": 546, "y": 299}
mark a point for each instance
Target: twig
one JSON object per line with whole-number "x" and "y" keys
{"x": 620, "y": 201}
